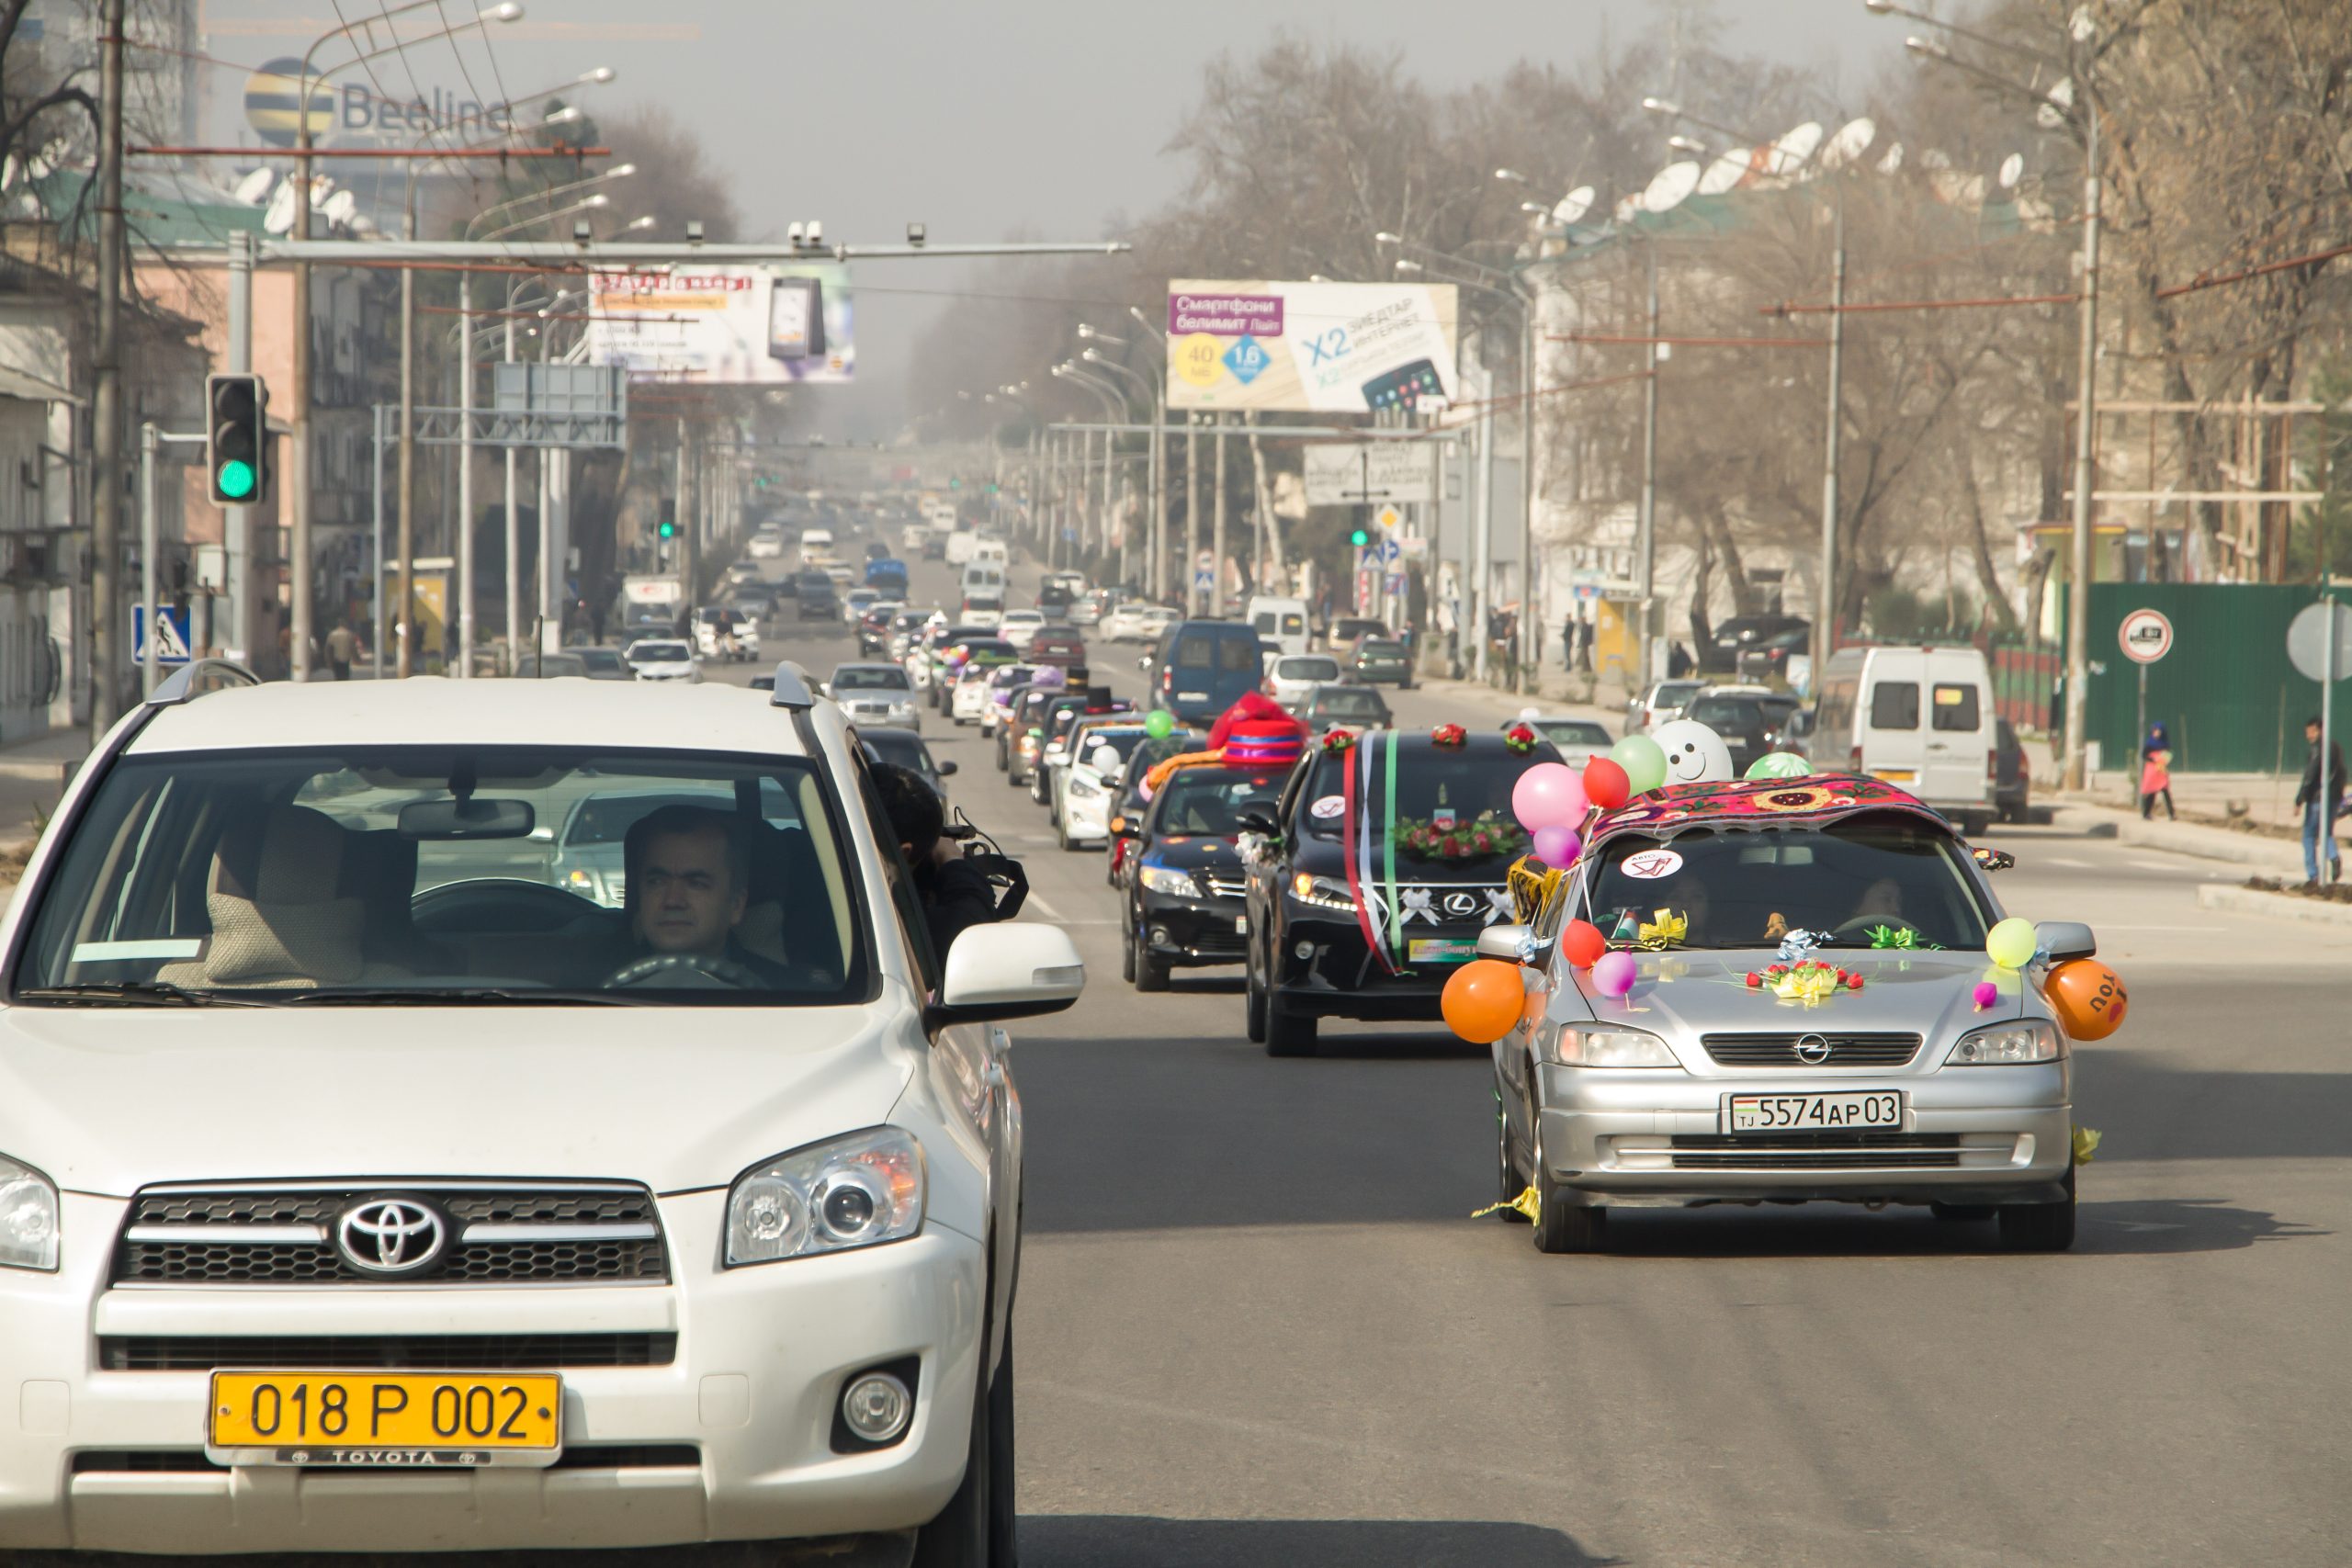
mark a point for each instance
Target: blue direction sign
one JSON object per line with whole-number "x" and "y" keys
{"x": 171, "y": 647}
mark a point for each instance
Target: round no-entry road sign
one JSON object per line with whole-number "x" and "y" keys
{"x": 2146, "y": 636}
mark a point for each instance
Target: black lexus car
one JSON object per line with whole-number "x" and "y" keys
{"x": 1182, "y": 880}
{"x": 1453, "y": 838}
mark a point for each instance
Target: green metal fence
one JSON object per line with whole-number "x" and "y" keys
{"x": 2230, "y": 698}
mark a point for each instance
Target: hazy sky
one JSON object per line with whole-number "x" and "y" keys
{"x": 1041, "y": 118}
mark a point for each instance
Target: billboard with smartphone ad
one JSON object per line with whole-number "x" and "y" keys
{"x": 725, "y": 326}
{"x": 1309, "y": 347}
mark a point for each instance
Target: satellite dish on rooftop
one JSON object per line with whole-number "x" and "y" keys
{"x": 1893, "y": 161}
{"x": 1572, "y": 206}
{"x": 1935, "y": 158}
{"x": 1670, "y": 188}
{"x": 1850, "y": 141}
{"x": 341, "y": 208}
{"x": 2012, "y": 170}
{"x": 1727, "y": 170}
{"x": 256, "y": 185}
{"x": 1790, "y": 153}
{"x": 278, "y": 216}
{"x": 1626, "y": 206}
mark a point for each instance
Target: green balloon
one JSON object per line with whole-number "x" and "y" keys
{"x": 1778, "y": 765}
{"x": 2010, "y": 943}
{"x": 1161, "y": 725}
{"x": 1643, "y": 762}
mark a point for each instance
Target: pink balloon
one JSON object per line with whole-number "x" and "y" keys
{"x": 1614, "y": 974}
{"x": 1988, "y": 993}
{"x": 1548, "y": 794}
{"x": 1557, "y": 846}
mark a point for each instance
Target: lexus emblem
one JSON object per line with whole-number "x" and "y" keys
{"x": 1464, "y": 904}
{"x": 391, "y": 1236}
{"x": 1811, "y": 1050}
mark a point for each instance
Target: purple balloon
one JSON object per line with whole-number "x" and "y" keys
{"x": 1549, "y": 794}
{"x": 1614, "y": 974}
{"x": 1557, "y": 846}
{"x": 1988, "y": 993}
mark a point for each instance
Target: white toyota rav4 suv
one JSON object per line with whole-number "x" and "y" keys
{"x": 364, "y": 1190}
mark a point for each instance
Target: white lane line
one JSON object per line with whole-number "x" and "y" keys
{"x": 2106, "y": 927}
{"x": 2062, "y": 859}
{"x": 1039, "y": 902}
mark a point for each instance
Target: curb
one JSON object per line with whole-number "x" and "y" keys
{"x": 2184, "y": 837}
{"x": 2232, "y": 900}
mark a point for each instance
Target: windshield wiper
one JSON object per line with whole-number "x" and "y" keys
{"x": 136, "y": 992}
{"x": 426, "y": 996}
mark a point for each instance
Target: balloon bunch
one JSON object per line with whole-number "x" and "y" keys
{"x": 2087, "y": 995}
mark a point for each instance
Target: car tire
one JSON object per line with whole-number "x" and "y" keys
{"x": 1062, "y": 839}
{"x": 1288, "y": 1033}
{"x": 1127, "y": 951}
{"x": 1151, "y": 974}
{"x": 1253, "y": 1005}
{"x": 2040, "y": 1227}
{"x": 1562, "y": 1226}
{"x": 967, "y": 1532}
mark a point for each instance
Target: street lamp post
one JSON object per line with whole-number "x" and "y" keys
{"x": 1153, "y": 390}
{"x": 1115, "y": 410}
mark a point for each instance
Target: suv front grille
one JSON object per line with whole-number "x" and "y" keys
{"x": 384, "y": 1352}
{"x": 504, "y": 1234}
{"x": 1817, "y": 1151}
{"x": 1845, "y": 1049}
{"x": 1227, "y": 886}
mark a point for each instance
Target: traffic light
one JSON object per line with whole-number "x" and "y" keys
{"x": 1361, "y": 537}
{"x": 954, "y": 484}
{"x": 236, "y": 439}
{"x": 667, "y": 527}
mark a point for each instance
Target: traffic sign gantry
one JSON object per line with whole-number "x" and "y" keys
{"x": 2146, "y": 636}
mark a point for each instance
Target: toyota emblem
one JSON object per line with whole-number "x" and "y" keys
{"x": 1811, "y": 1050}
{"x": 391, "y": 1236}
{"x": 1464, "y": 904}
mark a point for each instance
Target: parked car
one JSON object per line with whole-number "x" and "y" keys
{"x": 1918, "y": 718}
{"x": 875, "y": 694}
{"x": 1352, "y": 707}
{"x": 1184, "y": 888}
{"x": 1291, "y": 676}
{"x": 1661, "y": 704}
{"x": 1378, "y": 660}
{"x": 1905, "y": 1086}
{"x": 1766, "y": 658}
{"x": 1309, "y": 956}
{"x": 1201, "y": 668}
{"x": 1722, "y": 651}
{"x": 1579, "y": 740}
{"x": 1743, "y": 719}
{"x": 657, "y": 1213}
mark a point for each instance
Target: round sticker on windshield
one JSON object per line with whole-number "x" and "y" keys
{"x": 1652, "y": 865}
{"x": 1327, "y": 806}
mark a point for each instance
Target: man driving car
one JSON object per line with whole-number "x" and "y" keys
{"x": 689, "y": 873}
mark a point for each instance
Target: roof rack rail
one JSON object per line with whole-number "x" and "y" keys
{"x": 788, "y": 688}
{"x": 197, "y": 678}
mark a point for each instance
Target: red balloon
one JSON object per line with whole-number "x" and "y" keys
{"x": 1605, "y": 783}
{"x": 1483, "y": 1000}
{"x": 2089, "y": 998}
{"x": 1582, "y": 944}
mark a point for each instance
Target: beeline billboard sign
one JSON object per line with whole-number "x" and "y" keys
{"x": 1310, "y": 347}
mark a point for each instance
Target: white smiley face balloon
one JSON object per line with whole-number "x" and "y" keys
{"x": 1693, "y": 752}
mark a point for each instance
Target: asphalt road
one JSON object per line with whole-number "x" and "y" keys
{"x": 1258, "y": 1327}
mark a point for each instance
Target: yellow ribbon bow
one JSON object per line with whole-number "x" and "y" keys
{"x": 1663, "y": 929}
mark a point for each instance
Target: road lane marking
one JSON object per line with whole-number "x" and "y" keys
{"x": 1038, "y": 901}
{"x": 2062, "y": 859}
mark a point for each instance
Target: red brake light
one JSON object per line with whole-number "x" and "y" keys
{"x": 1854, "y": 761}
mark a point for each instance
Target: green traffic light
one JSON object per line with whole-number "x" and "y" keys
{"x": 1359, "y": 538}
{"x": 236, "y": 479}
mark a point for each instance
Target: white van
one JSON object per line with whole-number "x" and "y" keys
{"x": 1279, "y": 621}
{"x": 1918, "y": 718}
{"x": 989, "y": 547}
{"x": 984, "y": 577}
{"x": 815, "y": 546}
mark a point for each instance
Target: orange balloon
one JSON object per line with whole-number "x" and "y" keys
{"x": 1483, "y": 999}
{"x": 2089, "y": 998}
{"x": 1582, "y": 944}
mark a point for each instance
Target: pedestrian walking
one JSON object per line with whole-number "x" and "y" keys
{"x": 343, "y": 647}
{"x": 2155, "y": 773}
{"x": 2321, "y": 800}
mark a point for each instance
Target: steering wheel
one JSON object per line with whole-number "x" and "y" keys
{"x": 725, "y": 971}
{"x": 1863, "y": 925}
{"x": 498, "y": 903}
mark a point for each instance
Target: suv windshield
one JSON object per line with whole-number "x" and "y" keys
{"x": 1206, "y": 800}
{"x": 451, "y": 874}
{"x": 1748, "y": 888}
{"x": 1440, "y": 785}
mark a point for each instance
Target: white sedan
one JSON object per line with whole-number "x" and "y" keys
{"x": 662, "y": 659}
{"x": 1292, "y": 675}
{"x": 1020, "y": 625}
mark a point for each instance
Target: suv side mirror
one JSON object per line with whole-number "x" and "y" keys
{"x": 945, "y": 770}
{"x": 1014, "y": 970}
{"x": 1505, "y": 941}
{"x": 2064, "y": 939}
{"x": 1252, "y": 821}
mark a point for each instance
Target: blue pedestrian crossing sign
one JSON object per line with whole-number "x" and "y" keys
{"x": 171, "y": 647}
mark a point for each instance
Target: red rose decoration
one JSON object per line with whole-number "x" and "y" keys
{"x": 1853, "y": 982}
{"x": 1337, "y": 740}
{"x": 1755, "y": 981}
{"x": 1448, "y": 735}
{"x": 1519, "y": 739}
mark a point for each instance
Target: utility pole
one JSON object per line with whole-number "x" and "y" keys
{"x": 408, "y": 464}
{"x": 2078, "y": 545}
{"x": 689, "y": 531}
{"x": 1217, "y": 545}
{"x": 1192, "y": 509}
{"x": 514, "y": 534}
{"x": 1825, "y": 609}
{"x": 1530, "y": 493}
{"x": 105, "y": 391}
{"x": 465, "y": 542}
{"x": 297, "y": 467}
{"x": 237, "y": 525}
{"x": 1645, "y": 540}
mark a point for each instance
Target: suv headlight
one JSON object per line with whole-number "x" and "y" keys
{"x": 852, "y": 1191}
{"x": 2004, "y": 1045}
{"x": 28, "y": 1218}
{"x": 1323, "y": 893}
{"x": 1602, "y": 1045}
{"x": 1082, "y": 788}
{"x": 1168, "y": 880}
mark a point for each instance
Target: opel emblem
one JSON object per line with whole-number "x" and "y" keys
{"x": 1461, "y": 904}
{"x": 1811, "y": 1050}
{"x": 391, "y": 1236}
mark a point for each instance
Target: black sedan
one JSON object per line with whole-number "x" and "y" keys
{"x": 1183, "y": 879}
{"x": 1355, "y": 707}
{"x": 1381, "y": 659}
